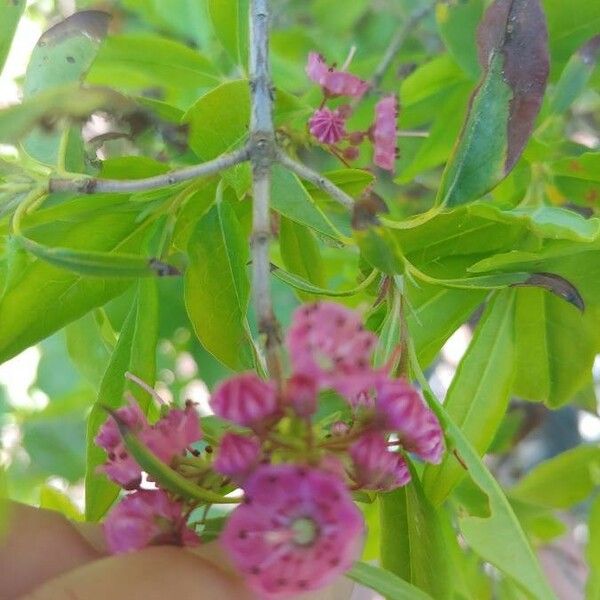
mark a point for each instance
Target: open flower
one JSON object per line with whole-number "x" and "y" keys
{"x": 400, "y": 409}
{"x": 385, "y": 132}
{"x": 333, "y": 81}
{"x": 144, "y": 518}
{"x": 246, "y": 400}
{"x": 297, "y": 530}
{"x": 328, "y": 126}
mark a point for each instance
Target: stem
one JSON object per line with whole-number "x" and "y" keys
{"x": 317, "y": 179}
{"x": 91, "y": 185}
{"x": 262, "y": 156}
{"x": 395, "y": 46}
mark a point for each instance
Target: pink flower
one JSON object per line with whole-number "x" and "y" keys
{"x": 120, "y": 466}
{"x": 328, "y": 343}
{"x": 334, "y": 82}
{"x": 237, "y": 456}
{"x": 401, "y": 409}
{"x": 301, "y": 394}
{"x": 297, "y": 530}
{"x": 327, "y": 126}
{"x": 246, "y": 400}
{"x": 173, "y": 433}
{"x": 385, "y": 132}
{"x": 144, "y": 518}
{"x": 376, "y": 468}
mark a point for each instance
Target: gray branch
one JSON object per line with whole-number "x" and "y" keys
{"x": 262, "y": 157}
{"x": 317, "y": 179}
{"x": 92, "y": 185}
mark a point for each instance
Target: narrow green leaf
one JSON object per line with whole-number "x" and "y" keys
{"x": 300, "y": 253}
{"x": 577, "y": 470}
{"x": 575, "y": 76}
{"x": 166, "y": 477}
{"x": 135, "y": 352}
{"x": 230, "y": 20}
{"x": 10, "y": 15}
{"x": 385, "y": 583}
{"x": 309, "y": 288}
{"x": 412, "y": 542}
{"x": 512, "y": 42}
{"x": 499, "y": 539}
{"x": 479, "y": 393}
{"x": 592, "y": 589}
{"x": 217, "y": 288}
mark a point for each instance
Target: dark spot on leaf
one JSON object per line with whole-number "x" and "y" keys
{"x": 557, "y": 285}
{"x": 163, "y": 269}
{"x": 70, "y": 59}
{"x": 366, "y": 209}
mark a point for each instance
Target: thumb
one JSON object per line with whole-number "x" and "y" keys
{"x": 153, "y": 574}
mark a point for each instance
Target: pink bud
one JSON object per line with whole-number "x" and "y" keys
{"x": 246, "y": 400}
{"x": 237, "y": 456}
{"x": 351, "y": 153}
{"x": 301, "y": 394}
{"x": 334, "y": 82}
{"x": 376, "y": 468}
{"x": 340, "y": 428}
{"x": 327, "y": 126}
{"x": 400, "y": 409}
{"x": 120, "y": 466}
{"x": 174, "y": 433}
{"x": 144, "y": 518}
{"x": 385, "y": 132}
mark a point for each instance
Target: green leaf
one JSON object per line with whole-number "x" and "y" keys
{"x": 506, "y": 103}
{"x": 217, "y": 288}
{"x": 62, "y": 56}
{"x": 457, "y": 24}
{"x": 53, "y": 499}
{"x": 412, "y": 541}
{"x": 575, "y": 76}
{"x": 570, "y": 24}
{"x": 230, "y": 20}
{"x": 385, "y": 583}
{"x": 137, "y": 62}
{"x": 68, "y": 101}
{"x": 499, "y": 539}
{"x": 98, "y": 264}
{"x": 135, "y": 352}
{"x": 10, "y": 15}
{"x": 40, "y": 298}
{"x": 577, "y": 470}
{"x": 592, "y": 589}
{"x": 290, "y": 198}
{"x": 479, "y": 393}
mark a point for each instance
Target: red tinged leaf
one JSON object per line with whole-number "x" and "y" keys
{"x": 513, "y": 51}
{"x": 517, "y": 30}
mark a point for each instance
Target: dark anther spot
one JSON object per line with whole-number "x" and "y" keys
{"x": 255, "y": 570}
{"x": 334, "y": 562}
{"x": 340, "y": 321}
{"x": 243, "y": 534}
{"x": 281, "y": 582}
{"x": 70, "y": 59}
{"x": 303, "y": 584}
{"x": 272, "y": 479}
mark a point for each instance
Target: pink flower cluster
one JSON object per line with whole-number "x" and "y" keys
{"x": 145, "y": 516}
{"x": 328, "y": 125}
{"x": 297, "y": 527}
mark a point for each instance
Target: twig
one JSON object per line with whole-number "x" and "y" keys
{"x": 262, "y": 157}
{"x": 92, "y": 185}
{"x": 395, "y": 46}
{"x": 317, "y": 179}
